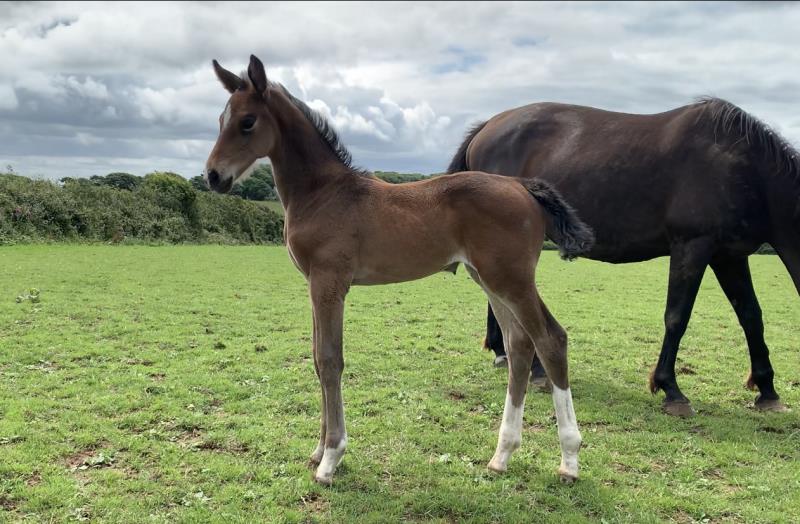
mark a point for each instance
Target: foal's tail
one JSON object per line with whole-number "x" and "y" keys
{"x": 459, "y": 162}
{"x": 570, "y": 234}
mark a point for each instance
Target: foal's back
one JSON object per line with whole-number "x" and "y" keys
{"x": 449, "y": 218}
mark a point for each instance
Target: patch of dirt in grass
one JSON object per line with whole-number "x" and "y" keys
{"x": 686, "y": 369}
{"x": 158, "y": 377}
{"x": 534, "y": 428}
{"x": 195, "y": 441}
{"x": 456, "y": 395}
{"x": 681, "y": 517}
{"x": 34, "y": 479}
{"x": 314, "y": 503}
{"x": 91, "y": 456}
{"x": 139, "y": 362}
{"x": 7, "y": 504}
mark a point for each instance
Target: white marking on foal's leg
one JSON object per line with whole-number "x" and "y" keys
{"x": 331, "y": 458}
{"x": 510, "y": 434}
{"x": 568, "y": 434}
{"x": 316, "y": 456}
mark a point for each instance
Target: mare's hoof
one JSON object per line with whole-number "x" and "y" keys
{"x": 501, "y": 361}
{"x": 773, "y": 405}
{"x": 678, "y": 409}
{"x": 542, "y": 384}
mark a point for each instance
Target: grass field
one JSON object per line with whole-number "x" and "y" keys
{"x": 175, "y": 384}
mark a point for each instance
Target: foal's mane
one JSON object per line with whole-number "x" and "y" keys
{"x": 735, "y": 121}
{"x": 324, "y": 128}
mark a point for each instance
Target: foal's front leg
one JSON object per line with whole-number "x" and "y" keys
{"x": 327, "y": 298}
{"x": 316, "y": 455}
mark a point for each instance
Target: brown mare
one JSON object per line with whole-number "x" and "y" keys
{"x": 345, "y": 227}
{"x": 705, "y": 184}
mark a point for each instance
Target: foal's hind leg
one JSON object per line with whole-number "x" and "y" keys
{"x": 520, "y": 297}
{"x": 520, "y": 353}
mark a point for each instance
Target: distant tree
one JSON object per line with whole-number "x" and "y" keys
{"x": 393, "y": 177}
{"x": 258, "y": 186}
{"x": 198, "y": 183}
{"x": 122, "y": 181}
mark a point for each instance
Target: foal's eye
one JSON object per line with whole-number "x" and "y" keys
{"x": 247, "y": 123}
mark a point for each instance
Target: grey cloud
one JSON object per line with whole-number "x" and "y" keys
{"x": 87, "y": 88}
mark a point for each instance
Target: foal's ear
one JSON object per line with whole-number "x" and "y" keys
{"x": 230, "y": 81}
{"x": 257, "y": 74}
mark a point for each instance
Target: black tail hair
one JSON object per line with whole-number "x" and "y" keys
{"x": 570, "y": 234}
{"x": 459, "y": 162}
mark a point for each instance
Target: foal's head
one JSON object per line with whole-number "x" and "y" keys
{"x": 247, "y": 130}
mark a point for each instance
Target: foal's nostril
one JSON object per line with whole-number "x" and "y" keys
{"x": 213, "y": 178}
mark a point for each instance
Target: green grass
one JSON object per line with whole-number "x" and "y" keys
{"x": 175, "y": 384}
{"x": 274, "y": 205}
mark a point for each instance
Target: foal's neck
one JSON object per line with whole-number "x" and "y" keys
{"x": 302, "y": 161}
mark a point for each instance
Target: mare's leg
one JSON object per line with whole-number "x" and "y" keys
{"x": 539, "y": 378}
{"x": 327, "y": 296}
{"x": 494, "y": 339}
{"x": 687, "y": 264}
{"x": 788, "y": 250}
{"x": 316, "y": 456}
{"x": 734, "y": 277}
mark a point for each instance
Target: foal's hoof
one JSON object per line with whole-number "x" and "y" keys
{"x": 501, "y": 361}
{"x": 313, "y": 462}
{"x": 496, "y": 467}
{"x": 541, "y": 384}
{"x": 566, "y": 477}
{"x": 773, "y": 405}
{"x": 678, "y": 408}
{"x": 325, "y": 481}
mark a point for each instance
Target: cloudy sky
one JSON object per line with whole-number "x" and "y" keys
{"x": 90, "y": 88}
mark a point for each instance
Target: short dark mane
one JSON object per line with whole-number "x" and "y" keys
{"x": 733, "y": 120}
{"x": 323, "y": 127}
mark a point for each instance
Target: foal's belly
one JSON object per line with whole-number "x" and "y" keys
{"x": 403, "y": 269}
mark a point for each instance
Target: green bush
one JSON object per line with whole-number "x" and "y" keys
{"x": 162, "y": 207}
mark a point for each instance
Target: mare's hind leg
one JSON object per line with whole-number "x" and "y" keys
{"x": 687, "y": 264}
{"x": 494, "y": 339}
{"x": 734, "y": 277}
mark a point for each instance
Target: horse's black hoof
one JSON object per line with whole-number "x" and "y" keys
{"x": 678, "y": 408}
{"x": 773, "y": 405}
{"x": 501, "y": 361}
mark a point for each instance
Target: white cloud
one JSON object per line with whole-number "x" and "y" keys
{"x": 8, "y": 98}
{"x": 401, "y": 82}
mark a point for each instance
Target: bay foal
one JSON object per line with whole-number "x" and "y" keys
{"x": 344, "y": 227}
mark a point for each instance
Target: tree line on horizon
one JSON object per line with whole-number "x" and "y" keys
{"x": 161, "y": 207}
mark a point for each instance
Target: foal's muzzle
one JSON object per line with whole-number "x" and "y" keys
{"x": 217, "y": 182}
